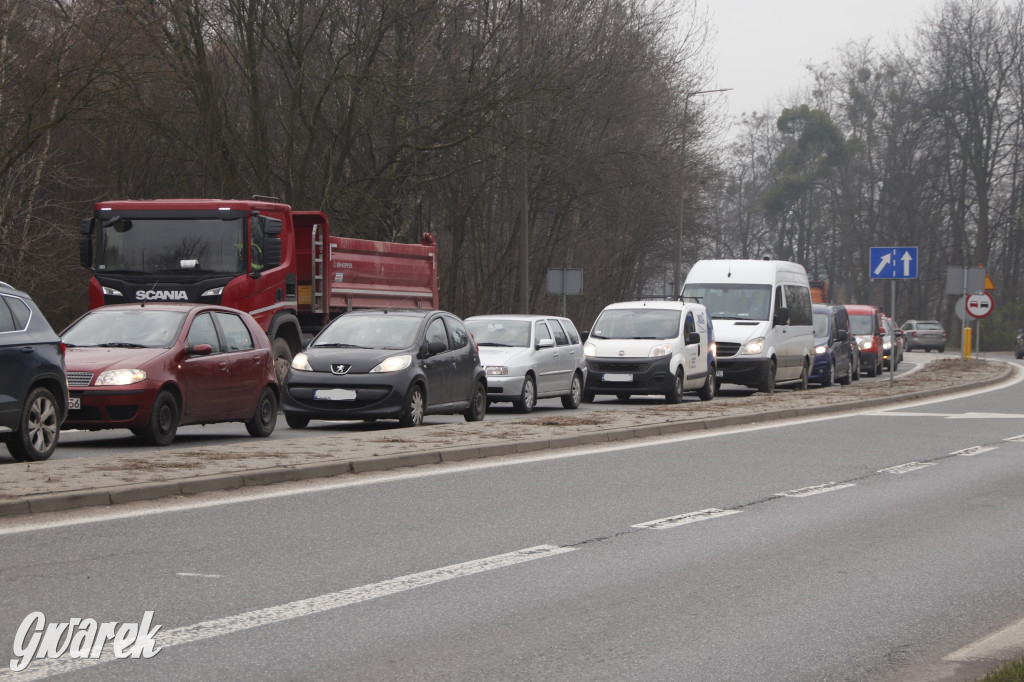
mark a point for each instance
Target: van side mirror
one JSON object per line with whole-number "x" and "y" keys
{"x": 781, "y": 317}
{"x": 692, "y": 338}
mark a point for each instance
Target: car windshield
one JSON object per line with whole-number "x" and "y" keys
{"x": 384, "y": 331}
{"x": 732, "y": 301}
{"x": 136, "y": 328}
{"x": 820, "y": 325}
{"x": 862, "y": 324}
{"x": 637, "y": 323}
{"x": 510, "y": 333}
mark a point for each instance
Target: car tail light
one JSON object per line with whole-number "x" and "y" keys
{"x": 63, "y": 349}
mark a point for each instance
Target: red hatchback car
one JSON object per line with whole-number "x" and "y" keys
{"x": 866, "y": 324}
{"x": 151, "y": 367}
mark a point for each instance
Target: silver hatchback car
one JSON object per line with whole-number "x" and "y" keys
{"x": 527, "y": 357}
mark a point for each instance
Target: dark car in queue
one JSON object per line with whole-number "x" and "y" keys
{"x": 833, "y": 347}
{"x": 152, "y": 367}
{"x": 387, "y": 364}
{"x": 33, "y": 387}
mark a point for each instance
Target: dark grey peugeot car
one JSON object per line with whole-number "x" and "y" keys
{"x": 33, "y": 381}
{"x": 387, "y": 364}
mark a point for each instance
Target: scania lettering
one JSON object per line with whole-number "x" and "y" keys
{"x": 281, "y": 266}
{"x": 161, "y": 296}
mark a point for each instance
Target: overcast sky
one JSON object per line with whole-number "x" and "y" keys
{"x": 762, "y": 46}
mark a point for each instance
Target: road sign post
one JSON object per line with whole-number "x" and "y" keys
{"x": 893, "y": 263}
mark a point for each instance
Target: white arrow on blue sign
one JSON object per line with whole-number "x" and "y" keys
{"x": 893, "y": 262}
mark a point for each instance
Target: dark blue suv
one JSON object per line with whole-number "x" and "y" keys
{"x": 34, "y": 388}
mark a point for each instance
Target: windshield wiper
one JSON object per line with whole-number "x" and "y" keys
{"x": 119, "y": 344}
{"x": 501, "y": 345}
{"x": 337, "y": 345}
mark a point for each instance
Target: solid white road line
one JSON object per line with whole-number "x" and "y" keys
{"x": 683, "y": 519}
{"x": 999, "y": 646}
{"x": 298, "y": 609}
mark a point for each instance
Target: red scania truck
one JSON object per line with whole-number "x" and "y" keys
{"x": 281, "y": 266}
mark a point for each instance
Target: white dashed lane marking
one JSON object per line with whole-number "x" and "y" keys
{"x": 815, "y": 490}
{"x": 683, "y": 519}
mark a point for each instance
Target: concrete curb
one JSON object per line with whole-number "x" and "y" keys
{"x": 135, "y": 492}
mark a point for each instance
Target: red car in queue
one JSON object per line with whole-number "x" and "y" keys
{"x": 152, "y": 367}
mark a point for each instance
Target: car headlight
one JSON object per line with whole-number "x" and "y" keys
{"x": 589, "y": 350}
{"x": 393, "y": 364}
{"x": 866, "y": 344}
{"x": 495, "y": 370}
{"x": 820, "y": 350}
{"x": 753, "y": 347}
{"x": 301, "y": 363}
{"x": 886, "y": 345}
{"x": 120, "y": 377}
{"x": 661, "y": 351}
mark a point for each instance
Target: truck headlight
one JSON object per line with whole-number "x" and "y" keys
{"x": 661, "y": 351}
{"x": 393, "y": 364}
{"x": 753, "y": 347}
{"x": 120, "y": 377}
{"x": 216, "y": 291}
{"x": 110, "y": 291}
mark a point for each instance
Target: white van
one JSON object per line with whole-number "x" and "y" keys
{"x": 764, "y": 327}
{"x": 651, "y": 347}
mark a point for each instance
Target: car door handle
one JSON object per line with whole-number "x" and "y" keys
{"x": 28, "y": 349}
{"x": 223, "y": 366}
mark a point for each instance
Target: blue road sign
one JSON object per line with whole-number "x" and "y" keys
{"x": 893, "y": 262}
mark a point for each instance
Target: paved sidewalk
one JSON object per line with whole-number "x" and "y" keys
{"x": 61, "y": 484}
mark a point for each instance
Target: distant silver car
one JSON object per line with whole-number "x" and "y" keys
{"x": 527, "y": 357}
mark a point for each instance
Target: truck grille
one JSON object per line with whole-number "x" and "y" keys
{"x": 727, "y": 350}
{"x": 79, "y": 378}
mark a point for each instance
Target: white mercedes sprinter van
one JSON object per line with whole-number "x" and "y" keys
{"x": 651, "y": 347}
{"x": 764, "y": 327}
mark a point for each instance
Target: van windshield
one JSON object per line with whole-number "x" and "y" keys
{"x": 637, "y": 323}
{"x": 732, "y": 301}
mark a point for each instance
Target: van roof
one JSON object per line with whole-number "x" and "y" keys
{"x": 657, "y": 305}
{"x": 738, "y": 270}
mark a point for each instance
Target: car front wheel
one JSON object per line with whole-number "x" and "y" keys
{"x": 39, "y": 428}
{"x": 163, "y": 422}
{"x": 527, "y": 398}
{"x": 415, "y": 404}
{"x": 572, "y": 401}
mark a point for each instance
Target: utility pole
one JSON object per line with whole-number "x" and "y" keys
{"x": 676, "y": 282}
{"x": 524, "y": 197}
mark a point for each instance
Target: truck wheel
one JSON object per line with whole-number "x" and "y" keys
{"x": 412, "y": 412}
{"x": 675, "y": 393}
{"x": 767, "y": 384}
{"x": 264, "y": 419}
{"x": 477, "y": 404}
{"x": 282, "y": 359}
{"x": 572, "y": 401}
{"x": 709, "y": 389}
{"x": 38, "y": 429}
{"x": 163, "y": 422}
{"x": 527, "y": 398}
{"x": 804, "y": 376}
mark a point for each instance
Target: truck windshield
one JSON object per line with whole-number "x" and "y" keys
{"x": 171, "y": 244}
{"x": 637, "y": 323}
{"x": 732, "y": 301}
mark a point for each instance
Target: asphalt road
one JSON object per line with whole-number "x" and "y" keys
{"x": 98, "y": 443}
{"x": 542, "y": 568}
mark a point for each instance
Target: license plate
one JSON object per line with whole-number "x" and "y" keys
{"x": 74, "y": 403}
{"x": 618, "y": 377}
{"x": 334, "y": 394}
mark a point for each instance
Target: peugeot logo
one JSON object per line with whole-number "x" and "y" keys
{"x": 340, "y": 369}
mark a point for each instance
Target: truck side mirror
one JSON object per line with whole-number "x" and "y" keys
{"x": 85, "y": 243}
{"x": 271, "y": 252}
